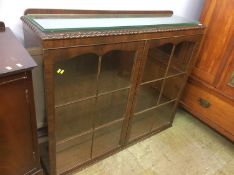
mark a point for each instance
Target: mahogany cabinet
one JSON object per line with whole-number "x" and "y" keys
{"x": 209, "y": 95}
{"x": 18, "y": 140}
{"x": 110, "y": 80}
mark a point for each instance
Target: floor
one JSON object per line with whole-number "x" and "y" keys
{"x": 187, "y": 148}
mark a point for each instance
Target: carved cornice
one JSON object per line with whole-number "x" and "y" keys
{"x": 100, "y": 33}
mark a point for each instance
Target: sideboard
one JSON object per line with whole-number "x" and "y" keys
{"x": 111, "y": 78}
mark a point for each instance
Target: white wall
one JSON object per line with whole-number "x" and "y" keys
{"x": 12, "y": 10}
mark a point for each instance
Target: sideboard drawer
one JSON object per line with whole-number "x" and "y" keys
{"x": 210, "y": 109}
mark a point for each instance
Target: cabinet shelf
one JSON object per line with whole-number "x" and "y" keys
{"x": 153, "y": 107}
{"x": 151, "y": 119}
{"x": 156, "y": 92}
{"x": 76, "y": 154}
{"x": 82, "y": 116}
{"x": 91, "y": 97}
{"x": 88, "y": 145}
{"x": 76, "y": 82}
{"x": 70, "y": 139}
{"x": 168, "y": 76}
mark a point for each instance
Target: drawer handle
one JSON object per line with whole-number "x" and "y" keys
{"x": 204, "y": 103}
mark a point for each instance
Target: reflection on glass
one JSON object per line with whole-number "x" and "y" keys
{"x": 111, "y": 107}
{"x": 78, "y": 152}
{"x": 162, "y": 115}
{"x": 64, "y": 22}
{"x": 181, "y": 58}
{"x": 157, "y": 62}
{"x": 172, "y": 88}
{"x": 116, "y": 69}
{"x": 106, "y": 139}
{"x": 151, "y": 120}
{"x": 74, "y": 119}
{"x": 147, "y": 96}
{"x": 141, "y": 125}
{"x": 75, "y": 78}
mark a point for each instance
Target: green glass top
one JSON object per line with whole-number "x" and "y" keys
{"x": 53, "y": 23}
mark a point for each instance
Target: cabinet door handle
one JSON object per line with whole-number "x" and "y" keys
{"x": 204, "y": 103}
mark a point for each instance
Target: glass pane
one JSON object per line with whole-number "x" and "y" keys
{"x": 52, "y": 23}
{"x": 106, "y": 139}
{"x": 172, "y": 88}
{"x": 116, "y": 70}
{"x": 74, "y": 119}
{"x": 162, "y": 115}
{"x": 150, "y": 120}
{"x": 111, "y": 107}
{"x": 181, "y": 58}
{"x": 147, "y": 96}
{"x": 75, "y": 78}
{"x": 157, "y": 62}
{"x": 141, "y": 125}
{"x": 74, "y": 153}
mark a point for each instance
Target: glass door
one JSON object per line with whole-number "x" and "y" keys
{"x": 75, "y": 85}
{"x": 91, "y": 97}
{"x": 113, "y": 88}
{"x": 162, "y": 79}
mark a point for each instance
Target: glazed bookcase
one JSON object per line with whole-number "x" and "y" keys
{"x": 108, "y": 87}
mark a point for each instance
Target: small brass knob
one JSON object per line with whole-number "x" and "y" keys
{"x": 204, "y": 103}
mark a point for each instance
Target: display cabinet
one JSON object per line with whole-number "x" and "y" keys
{"x": 111, "y": 77}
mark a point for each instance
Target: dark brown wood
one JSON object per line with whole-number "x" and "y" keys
{"x": 126, "y": 43}
{"x": 69, "y": 11}
{"x": 14, "y": 58}
{"x": 213, "y": 71}
{"x": 18, "y": 143}
{"x": 18, "y": 132}
{"x": 2, "y": 26}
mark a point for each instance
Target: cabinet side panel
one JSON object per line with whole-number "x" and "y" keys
{"x": 16, "y": 142}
